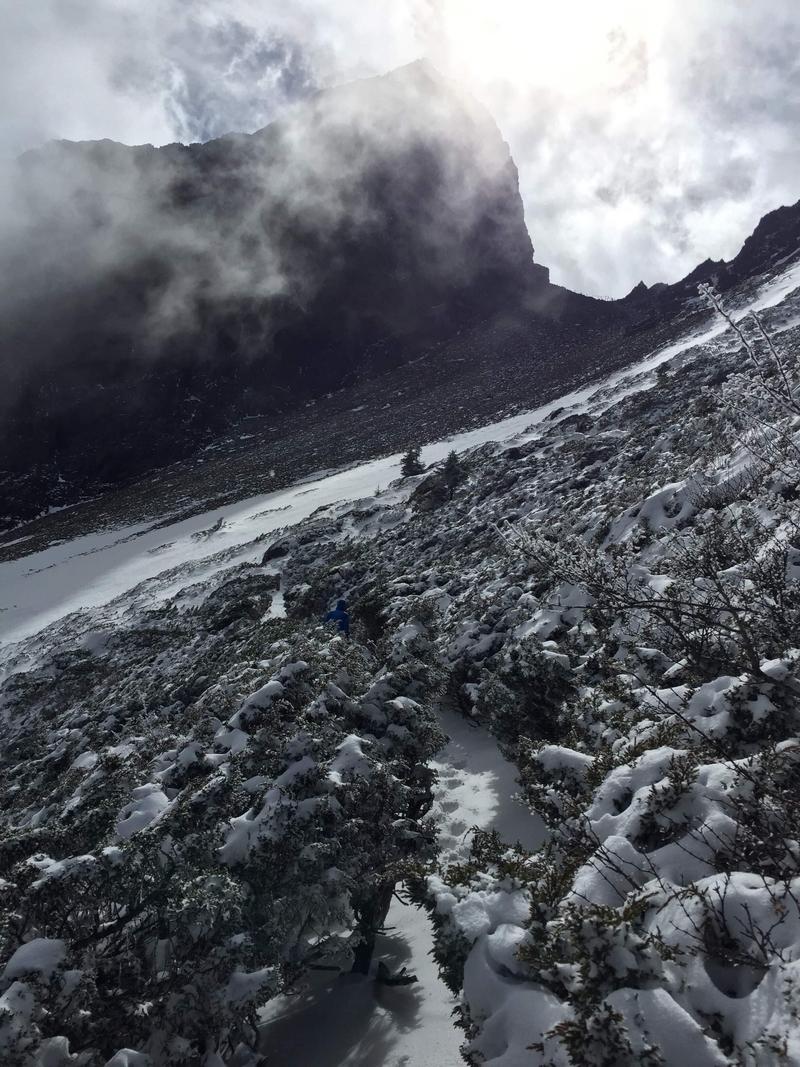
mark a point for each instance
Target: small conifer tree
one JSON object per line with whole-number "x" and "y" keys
{"x": 411, "y": 463}
{"x": 453, "y": 473}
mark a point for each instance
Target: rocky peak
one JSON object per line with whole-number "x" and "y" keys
{"x": 168, "y": 291}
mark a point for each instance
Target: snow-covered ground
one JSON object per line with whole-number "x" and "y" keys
{"x": 350, "y": 1021}
{"x": 94, "y": 570}
{"x": 157, "y": 693}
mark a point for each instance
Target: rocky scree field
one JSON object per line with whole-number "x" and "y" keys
{"x": 204, "y": 799}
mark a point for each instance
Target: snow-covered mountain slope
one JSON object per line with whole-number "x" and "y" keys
{"x": 204, "y": 792}
{"x": 95, "y": 570}
{"x": 175, "y": 290}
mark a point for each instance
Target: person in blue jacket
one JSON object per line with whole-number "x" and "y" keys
{"x": 340, "y": 616}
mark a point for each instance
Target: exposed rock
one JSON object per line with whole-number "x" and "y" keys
{"x": 430, "y": 494}
{"x": 276, "y": 551}
{"x": 155, "y": 297}
{"x": 159, "y": 293}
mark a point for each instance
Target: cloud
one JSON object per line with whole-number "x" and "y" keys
{"x": 210, "y": 256}
{"x": 226, "y": 76}
{"x": 648, "y": 136}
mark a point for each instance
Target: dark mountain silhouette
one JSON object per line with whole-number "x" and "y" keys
{"x": 153, "y": 297}
{"x": 775, "y": 240}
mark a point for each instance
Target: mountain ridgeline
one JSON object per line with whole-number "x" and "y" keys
{"x": 153, "y": 297}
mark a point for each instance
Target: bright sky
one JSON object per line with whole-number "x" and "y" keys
{"x": 648, "y": 135}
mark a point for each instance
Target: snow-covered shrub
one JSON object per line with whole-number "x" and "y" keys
{"x": 192, "y": 816}
{"x": 523, "y": 694}
{"x": 556, "y": 779}
{"x": 661, "y": 917}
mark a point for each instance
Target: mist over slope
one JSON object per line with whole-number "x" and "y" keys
{"x": 166, "y": 292}
{"x": 154, "y": 298}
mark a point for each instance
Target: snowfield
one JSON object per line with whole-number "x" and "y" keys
{"x": 565, "y": 731}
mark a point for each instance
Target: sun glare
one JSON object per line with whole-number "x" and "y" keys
{"x": 572, "y": 47}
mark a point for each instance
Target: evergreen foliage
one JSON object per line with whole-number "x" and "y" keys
{"x": 219, "y": 799}
{"x": 411, "y": 464}
{"x": 453, "y": 472}
{"x": 665, "y": 765}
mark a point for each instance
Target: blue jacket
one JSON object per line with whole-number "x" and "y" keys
{"x": 340, "y": 616}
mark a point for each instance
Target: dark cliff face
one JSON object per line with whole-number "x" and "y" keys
{"x": 152, "y": 296}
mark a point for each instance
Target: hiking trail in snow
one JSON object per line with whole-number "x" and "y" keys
{"x": 352, "y": 1021}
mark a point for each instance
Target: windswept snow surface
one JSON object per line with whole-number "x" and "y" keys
{"x": 350, "y": 1021}
{"x": 97, "y": 569}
